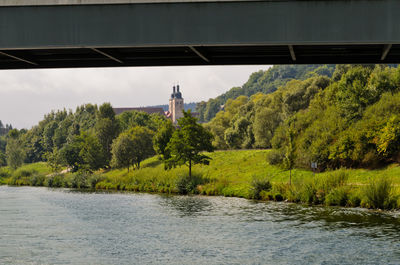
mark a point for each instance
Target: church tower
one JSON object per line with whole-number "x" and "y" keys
{"x": 176, "y": 104}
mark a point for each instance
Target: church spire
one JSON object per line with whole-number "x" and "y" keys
{"x": 173, "y": 92}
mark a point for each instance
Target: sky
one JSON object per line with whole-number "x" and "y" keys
{"x": 27, "y": 95}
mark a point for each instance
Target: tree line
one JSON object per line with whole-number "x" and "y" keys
{"x": 350, "y": 119}
{"x": 94, "y": 138}
{"x": 4, "y": 129}
{"x": 261, "y": 82}
{"x": 342, "y": 116}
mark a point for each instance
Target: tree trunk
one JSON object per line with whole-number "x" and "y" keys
{"x": 190, "y": 168}
{"x": 290, "y": 176}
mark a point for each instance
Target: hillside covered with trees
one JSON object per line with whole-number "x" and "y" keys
{"x": 351, "y": 119}
{"x": 262, "y": 82}
{"x": 344, "y": 115}
{"x": 348, "y": 118}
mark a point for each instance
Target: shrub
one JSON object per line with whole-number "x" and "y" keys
{"x": 4, "y": 173}
{"x": 266, "y": 195}
{"x": 308, "y": 193}
{"x": 328, "y": 183}
{"x": 338, "y": 196}
{"x": 333, "y": 180}
{"x": 293, "y": 193}
{"x": 79, "y": 181}
{"x": 55, "y": 181}
{"x": 23, "y": 173}
{"x": 354, "y": 200}
{"x": 37, "y": 180}
{"x": 371, "y": 160}
{"x": 187, "y": 185}
{"x": 275, "y": 157}
{"x": 258, "y": 185}
{"x": 94, "y": 179}
{"x": 379, "y": 195}
{"x": 21, "y": 177}
{"x": 277, "y": 197}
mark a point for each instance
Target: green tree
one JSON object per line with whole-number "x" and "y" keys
{"x": 61, "y": 133}
{"x": 70, "y": 153}
{"x": 265, "y": 123}
{"x": 132, "y": 147}
{"x": 91, "y": 152}
{"x": 142, "y": 139}
{"x": 188, "y": 142}
{"x": 106, "y": 111}
{"x": 54, "y": 160}
{"x": 3, "y": 159}
{"x": 106, "y": 131}
{"x": 48, "y": 135}
{"x": 161, "y": 140}
{"x": 3, "y": 143}
{"x": 388, "y": 140}
{"x": 130, "y": 119}
{"x": 83, "y": 153}
{"x": 290, "y": 154}
{"x": 15, "y": 152}
{"x": 122, "y": 150}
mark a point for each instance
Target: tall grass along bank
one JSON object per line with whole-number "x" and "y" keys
{"x": 232, "y": 173}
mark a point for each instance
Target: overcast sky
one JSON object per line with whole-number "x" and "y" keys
{"x": 26, "y": 95}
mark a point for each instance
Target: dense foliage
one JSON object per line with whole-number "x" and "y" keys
{"x": 262, "y": 82}
{"x": 81, "y": 141}
{"x": 251, "y": 122}
{"x": 351, "y": 119}
{"x": 4, "y": 129}
{"x": 94, "y": 138}
{"x": 188, "y": 142}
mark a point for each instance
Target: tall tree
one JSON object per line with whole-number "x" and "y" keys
{"x": 161, "y": 140}
{"x": 290, "y": 155}
{"x": 122, "y": 151}
{"x": 142, "y": 138}
{"x": 132, "y": 147}
{"x": 188, "y": 142}
{"x": 15, "y": 152}
{"x": 3, "y": 159}
{"x": 91, "y": 153}
{"x": 107, "y": 129}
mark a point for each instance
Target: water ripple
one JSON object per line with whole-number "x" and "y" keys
{"x": 44, "y": 226}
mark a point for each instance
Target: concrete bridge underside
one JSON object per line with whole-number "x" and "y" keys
{"x": 101, "y": 33}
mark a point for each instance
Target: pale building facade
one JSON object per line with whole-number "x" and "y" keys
{"x": 176, "y": 105}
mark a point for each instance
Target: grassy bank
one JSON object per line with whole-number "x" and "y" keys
{"x": 233, "y": 173}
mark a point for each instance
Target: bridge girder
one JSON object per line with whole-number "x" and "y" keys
{"x": 199, "y": 33}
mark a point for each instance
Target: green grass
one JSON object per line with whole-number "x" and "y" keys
{"x": 19, "y": 176}
{"x": 232, "y": 173}
{"x": 40, "y": 167}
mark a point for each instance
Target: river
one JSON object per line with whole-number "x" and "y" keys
{"x": 45, "y": 226}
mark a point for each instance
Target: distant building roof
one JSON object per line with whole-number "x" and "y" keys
{"x": 144, "y": 109}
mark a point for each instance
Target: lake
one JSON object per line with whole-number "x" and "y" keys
{"x": 46, "y": 226}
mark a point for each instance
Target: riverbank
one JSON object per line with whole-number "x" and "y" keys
{"x": 59, "y": 226}
{"x": 243, "y": 174}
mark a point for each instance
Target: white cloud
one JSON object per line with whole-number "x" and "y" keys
{"x": 26, "y": 95}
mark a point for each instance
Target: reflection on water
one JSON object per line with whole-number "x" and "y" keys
{"x": 42, "y": 226}
{"x": 186, "y": 205}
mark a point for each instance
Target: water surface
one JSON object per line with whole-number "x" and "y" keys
{"x": 44, "y": 226}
